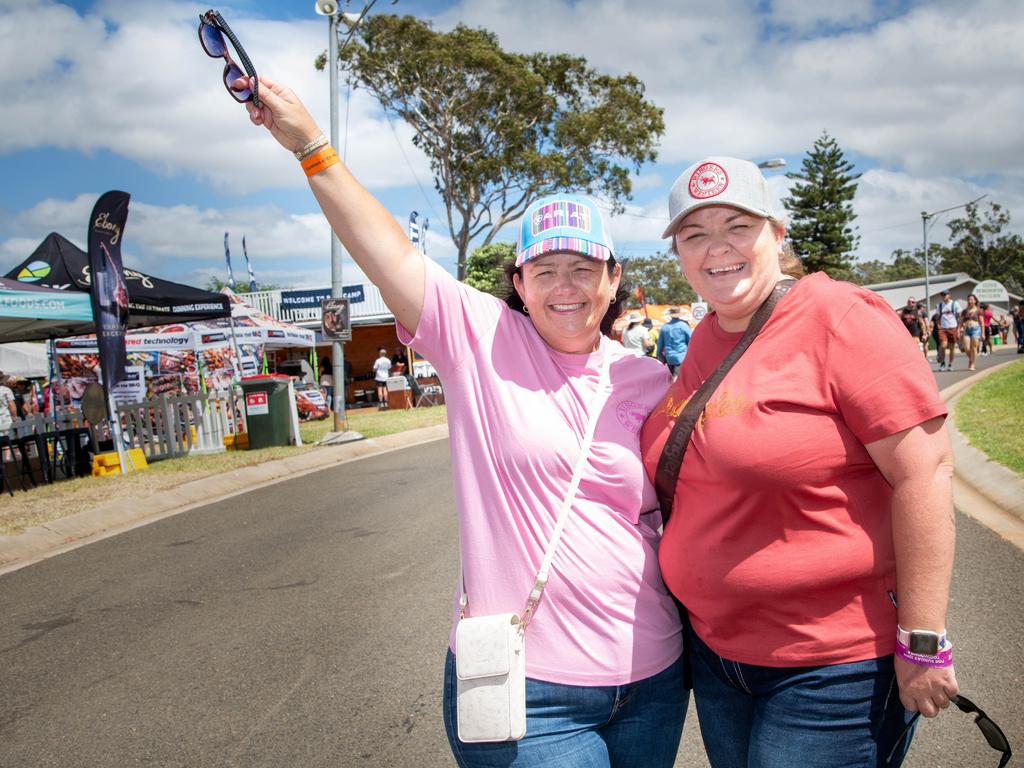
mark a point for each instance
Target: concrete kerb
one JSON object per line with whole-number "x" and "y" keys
{"x": 983, "y": 489}
{"x": 65, "y": 534}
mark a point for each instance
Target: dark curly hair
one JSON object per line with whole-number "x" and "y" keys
{"x": 615, "y": 308}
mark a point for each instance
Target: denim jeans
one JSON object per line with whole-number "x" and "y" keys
{"x": 637, "y": 725}
{"x": 780, "y": 717}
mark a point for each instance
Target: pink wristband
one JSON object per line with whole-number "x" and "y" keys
{"x": 944, "y": 658}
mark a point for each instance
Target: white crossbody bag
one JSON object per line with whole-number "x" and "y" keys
{"x": 490, "y": 651}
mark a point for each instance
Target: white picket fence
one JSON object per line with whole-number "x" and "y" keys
{"x": 168, "y": 426}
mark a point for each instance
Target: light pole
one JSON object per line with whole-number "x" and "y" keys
{"x": 927, "y": 221}
{"x": 330, "y": 9}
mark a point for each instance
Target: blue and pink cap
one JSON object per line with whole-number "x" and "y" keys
{"x": 563, "y": 223}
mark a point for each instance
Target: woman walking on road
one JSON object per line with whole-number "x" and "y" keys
{"x": 522, "y": 380}
{"x": 971, "y": 324}
{"x": 811, "y": 534}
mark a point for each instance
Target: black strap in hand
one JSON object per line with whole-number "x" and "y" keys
{"x": 671, "y": 460}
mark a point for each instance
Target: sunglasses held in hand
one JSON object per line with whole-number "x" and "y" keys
{"x": 212, "y": 30}
{"x": 993, "y": 733}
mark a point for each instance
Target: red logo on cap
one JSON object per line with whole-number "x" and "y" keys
{"x": 708, "y": 180}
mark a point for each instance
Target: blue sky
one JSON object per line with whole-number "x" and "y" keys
{"x": 927, "y": 98}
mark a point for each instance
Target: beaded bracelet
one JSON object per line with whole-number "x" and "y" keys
{"x": 311, "y": 147}
{"x": 320, "y": 160}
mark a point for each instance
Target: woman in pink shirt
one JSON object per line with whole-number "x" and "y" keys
{"x": 523, "y": 379}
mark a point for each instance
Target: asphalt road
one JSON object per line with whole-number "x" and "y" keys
{"x": 304, "y": 624}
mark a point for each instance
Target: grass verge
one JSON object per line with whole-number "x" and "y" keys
{"x": 68, "y": 497}
{"x": 989, "y": 414}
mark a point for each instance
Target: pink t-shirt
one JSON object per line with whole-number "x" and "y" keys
{"x": 780, "y": 541}
{"x": 516, "y": 417}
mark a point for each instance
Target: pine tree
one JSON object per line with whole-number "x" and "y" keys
{"x": 821, "y": 215}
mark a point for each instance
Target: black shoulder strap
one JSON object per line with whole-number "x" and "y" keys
{"x": 671, "y": 460}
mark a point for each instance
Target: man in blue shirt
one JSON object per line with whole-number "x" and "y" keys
{"x": 673, "y": 339}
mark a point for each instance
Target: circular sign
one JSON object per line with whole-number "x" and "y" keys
{"x": 698, "y": 310}
{"x": 991, "y": 290}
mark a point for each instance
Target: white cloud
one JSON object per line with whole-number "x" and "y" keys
{"x": 145, "y": 90}
{"x": 928, "y": 100}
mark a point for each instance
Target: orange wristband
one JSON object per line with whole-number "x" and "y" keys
{"x": 320, "y": 160}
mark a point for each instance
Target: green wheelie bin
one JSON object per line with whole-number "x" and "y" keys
{"x": 267, "y": 410}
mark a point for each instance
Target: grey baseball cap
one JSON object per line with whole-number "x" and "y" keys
{"x": 718, "y": 181}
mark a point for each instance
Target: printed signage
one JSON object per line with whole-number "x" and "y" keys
{"x": 311, "y": 299}
{"x": 991, "y": 290}
{"x": 132, "y": 388}
{"x": 335, "y": 320}
{"x": 698, "y": 310}
{"x": 256, "y": 404}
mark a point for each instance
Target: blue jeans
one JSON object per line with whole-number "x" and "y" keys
{"x": 779, "y": 717}
{"x": 637, "y": 725}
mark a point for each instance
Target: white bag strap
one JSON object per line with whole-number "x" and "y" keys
{"x": 595, "y": 407}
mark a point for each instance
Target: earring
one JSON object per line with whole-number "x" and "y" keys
{"x": 611, "y": 300}
{"x": 526, "y": 310}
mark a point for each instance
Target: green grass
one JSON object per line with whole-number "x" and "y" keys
{"x": 991, "y": 416}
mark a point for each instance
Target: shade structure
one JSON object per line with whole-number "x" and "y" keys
{"x": 58, "y": 263}
{"x": 29, "y": 312}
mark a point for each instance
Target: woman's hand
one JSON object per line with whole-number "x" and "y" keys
{"x": 925, "y": 689}
{"x": 283, "y": 114}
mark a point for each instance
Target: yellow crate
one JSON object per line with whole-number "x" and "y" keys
{"x": 238, "y": 441}
{"x": 109, "y": 464}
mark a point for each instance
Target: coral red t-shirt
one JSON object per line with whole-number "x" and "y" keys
{"x": 780, "y": 541}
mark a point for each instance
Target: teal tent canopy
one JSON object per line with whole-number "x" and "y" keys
{"x": 29, "y": 312}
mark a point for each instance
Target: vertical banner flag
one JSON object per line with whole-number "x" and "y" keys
{"x": 227, "y": 258}
{"x": 423, "y": 236}
{"x": 109, "y": 291}
{"x": 414, "y": 229}
{"x": 248, "y": 265}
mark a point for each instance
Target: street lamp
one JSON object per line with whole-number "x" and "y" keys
{"x": 927, "y": 221}
{"x": 330, "y": 9}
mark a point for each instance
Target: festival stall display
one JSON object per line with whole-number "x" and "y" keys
{"x": 184, "y": 357}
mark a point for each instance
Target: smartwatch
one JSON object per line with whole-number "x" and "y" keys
{"x": 921, "y": 641}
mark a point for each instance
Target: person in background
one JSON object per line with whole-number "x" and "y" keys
{"x": 381, "y": 371}
{"x": 948, "y": 325}
{"x": 327, "y": 381}
{"x": 523, "y": 378}
{"x": 652, "y": 333}
{"x": 636, "y": 338}
{"x": 1004, "y": 330}
{"x": 970, "y": 325}
{"x": 673, "y": 340}
{"x": 400, "y": 358}
{"x": 1018, "y": 326}
{"x": 986, "y": 333}
{"x": 912, "y": 321}
{"x": 812, "y": 532}
{"x": 8, "y": 405}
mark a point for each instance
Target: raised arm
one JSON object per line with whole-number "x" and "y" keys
{"x": 366, "y": 228}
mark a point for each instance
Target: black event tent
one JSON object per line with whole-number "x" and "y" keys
{"x": 59, "y": 263}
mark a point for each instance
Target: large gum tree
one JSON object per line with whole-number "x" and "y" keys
{"x": 501, "y": 129}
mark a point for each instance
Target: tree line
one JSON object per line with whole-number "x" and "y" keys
{"x": 501, "y": 129}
